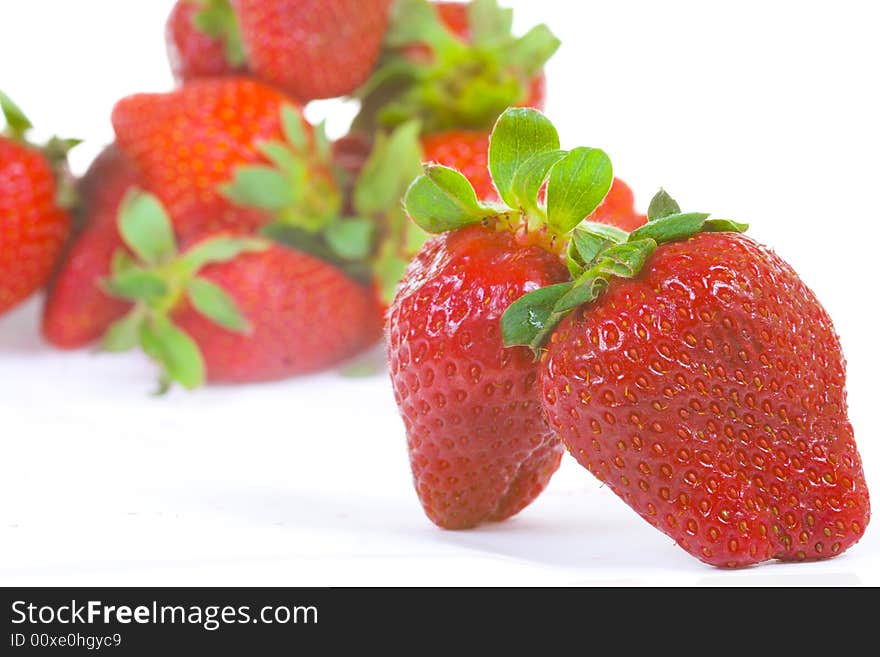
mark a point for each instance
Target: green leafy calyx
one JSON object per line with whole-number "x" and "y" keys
{"x": 429, "y": 73}
{"x": 524, "y": 158}
{"x": 157, "y": 279}
{"x": 217, "y": 19}
{"x": 597, "y": 254}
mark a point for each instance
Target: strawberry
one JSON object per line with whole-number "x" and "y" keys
{"x": 207, "y": 150}
{"x": 454, "y": 66}
{"x": 231, "y": 308}
{"x": 203, "y": 40}
{"x": 78, "y": 310}
{"x": 479, "y": 448}
{"x": 313, "y": 48}
{"x": 693, "y": 371}
{"x": 618, "y": 209}
{"x": 33, "y": 224}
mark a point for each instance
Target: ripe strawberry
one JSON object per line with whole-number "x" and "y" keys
{"x": 454, "y": 66}
{"x": 232, "y": 308}
{"x": 78, "y": 310}
{"x": 466, "y": 151}
{"x": 706, "y": 387}
{"x": 313, "y": 48}
{"x": 194, "y": 145}
{"x": 203, "y": 40}
{"x": 33, "y": 225}
{"x": 479, "y": 448}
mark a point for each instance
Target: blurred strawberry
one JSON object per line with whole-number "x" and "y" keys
{"x": 313, "y": 48}
{"x": 33, "y": 222}
{"x": 203, "y": 40}
{"x": 78, "y": 311}
{"x": 454, "y": 66}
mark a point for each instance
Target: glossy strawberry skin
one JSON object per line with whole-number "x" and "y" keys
{"x": 479, "y": 448}
{"x": 192, "y": 53}
{"x": 306, "y": 316}
{"x": 466, "y": 151}
{"x": 77, "y": 311}
{"x": 33, "y": 229}
{"x": 709, "y": 394}
{"x": 313, "y": 48}
{"x": 618, "y": 209}
{"x": 188, "y": 142}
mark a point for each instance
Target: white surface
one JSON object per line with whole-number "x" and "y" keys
{"x": 763, "y": 112}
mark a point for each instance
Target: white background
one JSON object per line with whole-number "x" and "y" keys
{"x": 765, "y": 112}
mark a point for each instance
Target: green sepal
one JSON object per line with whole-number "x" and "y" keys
{"x": 416, "y": 21}
{"x": 489, "y": 23}
{"x": 137, "y": 284}
{"x": 176, "y": 352}
{"x": 217, "y": 19}
{"x": 530, "y": 179}
{"x": 520, "y": 134}
{"x": 443, "y": 199}
{"x": 392, "y": 165}
{"x": 587, "y": 241}
{"x": 662, "y": 205}
{"x": 530, "y": 319}
{"x": 578, "y": 184}
{"x": 17, "y": 121}
{"x": 146, "y": 228}
{"x": 323, "y": 146}
{"x": 282, "y": 156}
{"x": 531, "y": 51}
{"x": 671, "y": 227}
{"x": 213, "y": 302}
{"x": 219, "y": 250}
{"x": 262, "y": 187}
{"x": 124, "y": 334}
{"x": 294, "y": 130}
{"x": 724, "y": 226}
{"x": 351, "y": 239}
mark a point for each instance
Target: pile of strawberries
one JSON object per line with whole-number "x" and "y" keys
{"x": 528, "y": 308}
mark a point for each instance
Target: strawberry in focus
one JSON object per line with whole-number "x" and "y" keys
{"x": 454, "y": 66}
{"x": 479, "y": 448}
{"x": 692, "y": 370}
{"x": 313, "y": 48}
{"x": 33, "y": 224}
{"x": 203, "y": 40}
{"x": 78, "y": 310}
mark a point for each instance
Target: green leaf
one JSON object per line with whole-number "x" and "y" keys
{"x": 213, "y": 302}
{"x": 394, "y": 162}
{"x": 590, "y": 244}
{"x": 16, "y": 119}
{"x": 323, "y": 147}
{"x": 670, "y": 228}
{"x": 488, "y": 22}
{"x": 281, "y": 155}
{"x": 146, "y": 229}
{"x": 416, "y": 21}
{"x": 724, "y": 226}
{"x": 586, "y": 289}
{"x": 218, "y": 20}
{"x": 443, "y": 199}
{"x": 389, "y": 272}
{"x": 578, "y": 185}
{"x": 626, "y": 260}
{"x": 221, "y": 249}
{"x": 530, "y": 318}
{"x": 531, "y": 52}
{"x": 177, "y": 353}
{"x": 137, "y": 284}
{"x": 121, "y": 262}
{"x": 294, "y": 130}
{"x": 662, "y": 205}
{"x": 530, "y": 178}
{"x": 351, "y": 239}
{"x": 261, "y": 187}
{"x": 519, "y": 135}
{"x": 124, "y": 334}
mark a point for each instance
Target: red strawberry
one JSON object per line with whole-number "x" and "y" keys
{"x": 77, "y": 310}
{"x": 454, "y": 66}
{"x": 313, "y": 48}
{"x": 706, "y": 387}
{"x": 465, "y": 150}
{"x": 479, "y": 447}
{"x": 33, "y": 227}
{"x": 203, "y": 40}
{"x": 232, "y": 308}
{"x": 618, "y": 209}
{"x": 192, "y": 143}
